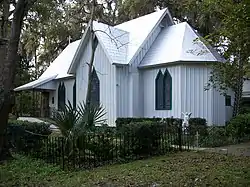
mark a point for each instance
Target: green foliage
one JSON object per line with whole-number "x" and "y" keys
{"x": 180, "y": 168}
{"x": 197, "y": 124}
{"x": 101, "y": 147}
{"x": 91, "y": 115}
{"x": 66, "y": 119}
{"x": 142, "y": 138}
{"x": 217, "y": 136}
{"x": 27, "y": 137}
{"x": 239, "y": 127}
{"x": 126, "y": 121}
{"x": 17, "y": 126}
{"x": 75, "y": 122}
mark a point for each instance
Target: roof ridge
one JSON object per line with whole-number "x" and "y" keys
{"x": 210, "y": 49}
{"x": 140, "y": 17}
{"x": 183, "y": 37}
{"x": 110, "y": 26}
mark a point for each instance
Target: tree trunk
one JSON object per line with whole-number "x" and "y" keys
{"x": 5, "y": 18}
{"x": 238, "y": 92}
{"x": 7, "y": 73}
{"x": 91, "y": 63}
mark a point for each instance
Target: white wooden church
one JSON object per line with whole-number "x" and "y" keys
{"x": 146, "y": 67}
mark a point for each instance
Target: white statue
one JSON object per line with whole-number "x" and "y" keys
{"x": 186, "y": 118}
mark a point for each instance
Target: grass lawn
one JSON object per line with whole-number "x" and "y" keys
{"x": 177, "y": 169}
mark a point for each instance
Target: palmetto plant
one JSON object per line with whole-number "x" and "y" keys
{"x": 66, "y": 120}
{"x": 76, "y": 121}
{"x": 90, "y": 116}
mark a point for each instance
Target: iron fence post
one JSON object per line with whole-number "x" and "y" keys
{"x": 180, "y": 136}
{"x": 62, "y": 153}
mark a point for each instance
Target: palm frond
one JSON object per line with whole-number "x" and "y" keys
{"x": 66, "y": 119}
{"x": 91, "y": 115}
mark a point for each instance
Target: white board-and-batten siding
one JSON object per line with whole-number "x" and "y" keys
{"x": 148, "y": 92}
{"x": 68, "y": 83}
{"x": 106, "y": 74}
{"x": 194, "y": 98}
{"x": 188, "y": 94}
{"x": 128, "y": 82}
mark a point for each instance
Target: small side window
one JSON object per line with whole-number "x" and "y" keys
{"x": 228, "y": 100}
{"x": 53, "y": 100}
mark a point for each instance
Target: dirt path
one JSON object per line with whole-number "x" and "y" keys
{"x": 242, "y": 149}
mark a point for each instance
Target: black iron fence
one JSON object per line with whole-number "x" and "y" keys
{"x": 100, "y": 148}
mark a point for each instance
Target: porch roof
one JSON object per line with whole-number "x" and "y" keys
{"x": 35, "y": 84}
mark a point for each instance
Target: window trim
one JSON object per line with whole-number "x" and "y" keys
{"x": 61, "y": 93}
{"x": 166, "y": 85}
{"x": 97, "y": 99}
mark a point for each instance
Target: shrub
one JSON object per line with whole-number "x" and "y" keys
{"x": 143, "y": 138}
{"x": 125, "y": 121}
{"x": 217, "y": 136}
{"x": 197, "y": 124}
{"x": 25, "y": 126}
{"x": 120, "y": 122}
{"x": 27, "y": 136}
{"x": 239, "y": 126}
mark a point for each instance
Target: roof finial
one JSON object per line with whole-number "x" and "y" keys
{"x": 69, "y": 38}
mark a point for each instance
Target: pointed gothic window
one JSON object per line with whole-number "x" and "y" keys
{"x": 95, "y": 89}
{"x": 163, "y": 91}
{"x": 159, "y": 105}
{"x": 61, "y": 96}
{"x": 74, "y": 95}
{"x": 167, "y": 87}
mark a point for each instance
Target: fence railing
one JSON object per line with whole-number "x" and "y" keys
{"x": 96, "y": 149}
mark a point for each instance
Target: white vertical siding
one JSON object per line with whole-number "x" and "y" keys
{"x": 122, "y": 90}
{"x": 53, "y": 94}
{"x": 208, "y": 104}
{"x": 246, "y": 86}
{"x": 229, "y": 109}
{"x": 135, "y": 93}
{"x": 148, "y": 76}
{"x": 221, "y": 112}
{"x": 194, "y": 98}
{"x": 106, "y": 74}
{"x": 68, "y": 83}
{"x": 51, "y": 85}
{"x": 188, "y": 94}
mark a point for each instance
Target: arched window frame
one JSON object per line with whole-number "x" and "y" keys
{"x": 159, "y": 105}
{"x": 95, "y": 89}
{"x": 163, "y": 91}
{"x": 61, "y": 97}
{"x": 167, "y": 90}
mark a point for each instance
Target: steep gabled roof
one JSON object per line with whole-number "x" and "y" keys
{"x": 61, "y": 64}
{"x": 179, "y": 43}
{"x": 113, "y": 41}
{"x": 140, "y": 28}
{"x": 58, "y": 68}
{"x": 122, "y": 42}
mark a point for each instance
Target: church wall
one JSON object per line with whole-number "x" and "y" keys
{"x": 68, "y": 83}
{"x": 106, "y": 74}
{"x": 148, "y": 90}
{"x": 188, "y": 94}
